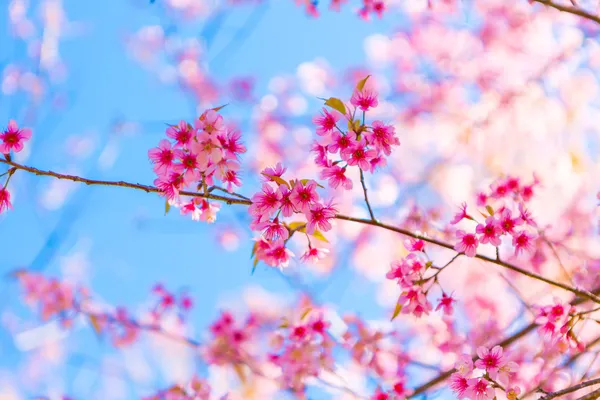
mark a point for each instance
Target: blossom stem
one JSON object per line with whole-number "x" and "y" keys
{"x": 362, "y": 182}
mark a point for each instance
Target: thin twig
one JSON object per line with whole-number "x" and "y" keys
{"x": 362, "y": 182}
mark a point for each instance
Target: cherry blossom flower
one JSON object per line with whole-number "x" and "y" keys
{"x": 522, "y": 241}
{"x": 13, "y": 138}
{"x": 314, "y": 254}
{"x": 459, "y": 385}
{"x": 182, "y": 133}
{"x": 364, "y": 99}
{"x": 4, "y": 200}
{"x": 467, "y": 243}
{"x": 490, "y": 359}
{"x": 462, "y": 214}
{"x": 479, "y": 389}
{"x": 326, "y": 123}
{"x": 445, "y": 304}
{"x": 319, "y": 217}
{"x": 490, "y": 232}
{"x": 336, "y": 176}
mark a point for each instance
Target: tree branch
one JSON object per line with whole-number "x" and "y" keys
{"x": 145, "y": 188}
{"x": 238, "y": 200}
{"x": 570, "y": 10}
{"x": 579, "y": 292}
{"x": 572, "y": 389}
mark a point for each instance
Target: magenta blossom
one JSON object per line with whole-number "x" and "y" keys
{"x": 13, "y": 138}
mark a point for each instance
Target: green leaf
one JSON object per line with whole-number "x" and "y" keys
{"x": 167, "y": 207}
{"x": 301, "y": 227}
{"x": 284, "y": 323}
{"x": 96, "y": 324}
{"x": 396, "y": 311}
{"x": 318, "y": 235}
{"x": 336, "y": 104}
{"x": 305, "y": 313}
{"x": 361, "y": 84}
{"x": 238, "y": 368}
{"x": 295, "y": 225}
{"x": 278, "y": 180}
{"x": 220, "y": 107}
{"x": 254, "y": 248}
{"x": 490, "y": 210}
{"x": 305, "y": 181}
{"x": 254, "y": 265}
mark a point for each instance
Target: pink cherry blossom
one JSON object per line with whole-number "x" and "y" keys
{"x": 314, "y": 254}
{"x": 479, "y": 389}
{"x": 326, "y": 123}
{"x": 523, "y": 241}
{"x": 336, "y": 176}
{"x": 467, "y": 243}
{"x": 4, "y": 200}
{"x": 462, "y": 214}
{"x": 445, "y": 304}
{"x": 182, "y": 133}
{"x": 459, "y": 385}
{"x": 489, "y": 232}
{"x": 364, "y": 99}
{"x": 490, "y": 359}
{"x": 13, "y": 138}
{"x": 319, "y": 217}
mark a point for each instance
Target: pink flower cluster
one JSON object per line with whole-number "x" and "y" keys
{"x": 229, "y": 339}
{"x": 360, "y": 145}
{"x": 409, "y": 274}
{"x": 170, "y": 302}
{"x": 497, "y": 370}
{"x": 301, "y": 350}
{"x": 555, "y": 325}
{"x": 195, "y": 158}
{"x": 509, "y": 218}
{"x": 281, "y": 199}
{"x": 51, "y": 296}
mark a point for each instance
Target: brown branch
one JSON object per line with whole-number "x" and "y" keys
{"x": 570, "y": 10}
{"x": 591, "y": 396}
{"x": 579, "y": 292}
{"x": 231, "y": 200}
{"x": 572, "y": 389}
{"x": 145, "y": 188}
